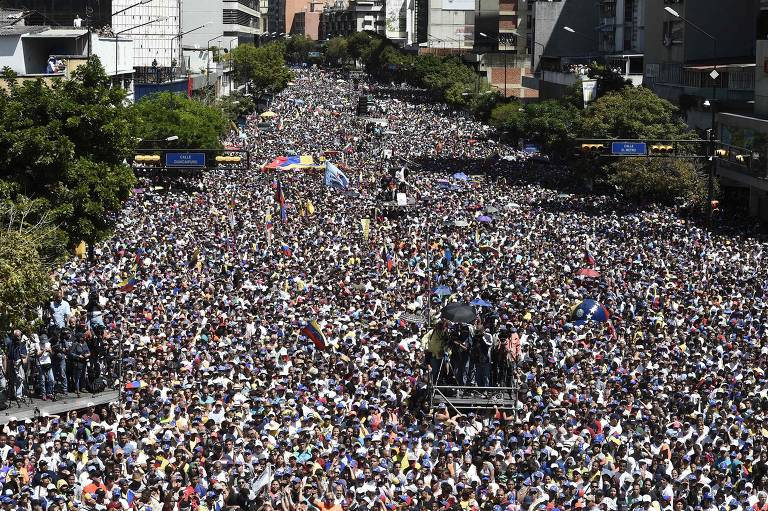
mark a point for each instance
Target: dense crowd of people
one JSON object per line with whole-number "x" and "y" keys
{"x": 231, "y": 402}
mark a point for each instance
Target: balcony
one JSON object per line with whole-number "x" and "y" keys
{"x": 736, "y": 83}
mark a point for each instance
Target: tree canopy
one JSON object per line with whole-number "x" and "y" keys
{"x": 25, "y": 281}
{"x": 337, "y": 50}
{"x": 663, "y": 180}
{"x": 264, "y": 66}
{"x": 298, "y": 47}
{"x": 168, "y": 114}
{"x": 55, "y": 139}
{"x": 633, "y": 112}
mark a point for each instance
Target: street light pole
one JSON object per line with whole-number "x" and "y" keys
{"x": 142, "y": 2}
{"x": 179, "y": 36}
{"x": 712, "y": 135}
{"x": 498, "y": 47}
{"x": 208, "y": 63}
{"x": 533, "y": 53}
{"x": 117, "y": 34}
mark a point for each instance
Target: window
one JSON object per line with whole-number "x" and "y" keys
{"x": 673, "y": 32}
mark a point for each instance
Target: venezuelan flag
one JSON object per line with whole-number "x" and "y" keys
{"x": 313, "y": 332}
{"x": 127, "y": 286}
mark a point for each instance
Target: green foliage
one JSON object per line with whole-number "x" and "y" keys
{"x": 337, "y": 50}
{"x": 510, "y": 118}
{"x": 552, "y": 125}
{"x": 47, "y": 133}
{"x": 167, "y": 114}
{"x": 361, "y": 45}
{"x": 607, "y": 79}
{"x": 264, "y": 66}
{"x": 237, "y": 105}
{"x": 25, "y": 281}
{"x": 664, "y": 180}
{"x": 298, "y": 48}
{"x": 633, "y": 112}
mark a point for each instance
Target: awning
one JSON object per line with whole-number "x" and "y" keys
{"x": 58, "y": 33}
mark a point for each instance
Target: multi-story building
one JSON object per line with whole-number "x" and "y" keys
{"x": 342, "y": 18}
{"x": 225, "y": 23}
{"x": 567, "y": 36}
{"x": 679, "y": 58}
{"x": 152, "y": 26}
{"x": 307, "y": 21}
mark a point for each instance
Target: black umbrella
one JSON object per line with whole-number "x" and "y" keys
{"x": 458, "y": 313}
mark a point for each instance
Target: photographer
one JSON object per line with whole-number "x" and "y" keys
{"x": 60, "y": 344}
{"x": 44, "y": 353}
{"x": 78, "y": 356}
{"x": 16, "y": 348}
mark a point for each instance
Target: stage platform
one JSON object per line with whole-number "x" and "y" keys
{"x": 474, "y": 398}
{"x": 61, "y": 405}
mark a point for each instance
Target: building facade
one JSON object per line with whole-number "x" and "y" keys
{"x": 222, "y": 22}
{"x": 152, "y": 26}
{"x": 343, "y": 19}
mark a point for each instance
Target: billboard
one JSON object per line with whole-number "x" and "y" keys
{"x": 395, "y": 18}
{"x": 458, "y": 5}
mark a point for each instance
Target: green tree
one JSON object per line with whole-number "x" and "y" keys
{"x": 298, "y": 48}
{"x": 47, "y": 135}
{"x": 264, "y": 66}
{"x": 361, "y": 45}
{"x": 167, "y": 114}
{"x": 237, "y": 105}
{"x": 25, "y": 281}
{"x": 509, "y": 118}
{"x": 552, "y": 125}
{"x": 633, "y": 112}
{"x": 664, "y": 180}
{"x": 608, "y": 80}
{"x": 337, "y": 50}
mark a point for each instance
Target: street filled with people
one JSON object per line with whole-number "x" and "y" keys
{"x": 279, "y": 336}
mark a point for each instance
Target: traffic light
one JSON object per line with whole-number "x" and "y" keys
{"x": 147, "y": 158}
{"x": 592, "y": 149}
{"x": 721, "y": 153}
{"x": 228, "y": 159}
{"x": 662, "y": 149}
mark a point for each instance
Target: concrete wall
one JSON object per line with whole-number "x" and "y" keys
{"x": 200, "y": 12}
{"x": 551, "y": 17}
{"x": 732, "y": 23}
{"x": 153, "y": 41}
{"x": 12, "y": 53}
{"x": 104, "y": 48}
{"x": 453, "y": 28}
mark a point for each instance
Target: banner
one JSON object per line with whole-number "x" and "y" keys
{"x": 589, "y": 90}
{"x": 366, "y": 223}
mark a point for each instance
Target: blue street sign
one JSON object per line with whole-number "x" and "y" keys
{"x": 530, "y": 149}
{"x": 185, "y": 159}
{"x": 629, "y": 148}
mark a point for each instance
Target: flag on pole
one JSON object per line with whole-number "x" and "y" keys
{"x": 315, "y": 334}
{"x": 279, "y": 194}
{"x": 310, "y": 208}
{"x": 334, "y": 177}
{"x": 589, "y": 258}
{"x": 263, "y": 481}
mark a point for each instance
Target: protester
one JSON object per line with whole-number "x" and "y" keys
{"x": 269, "y": 364}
